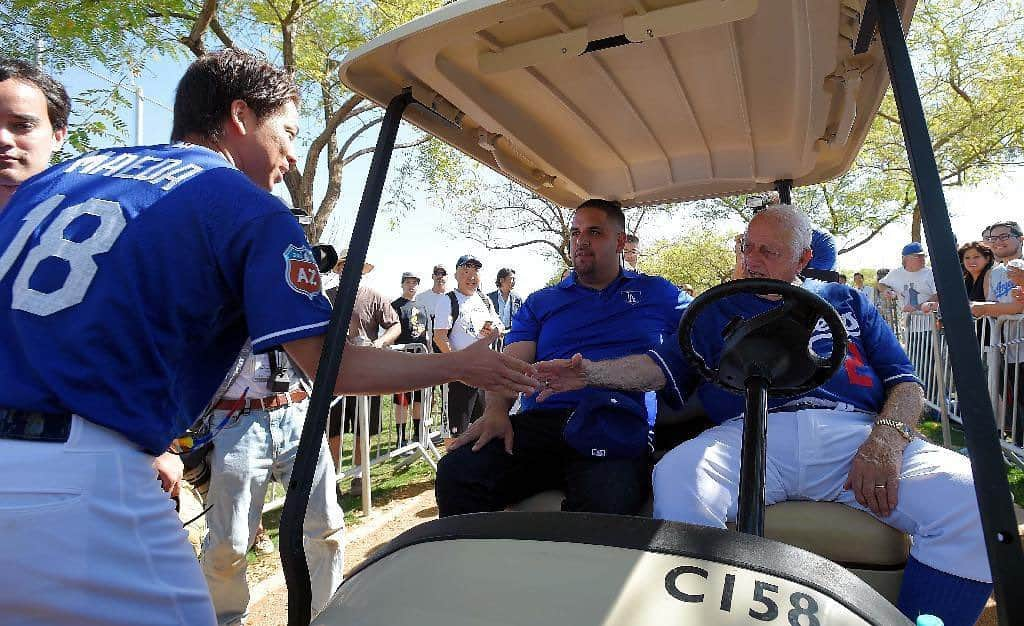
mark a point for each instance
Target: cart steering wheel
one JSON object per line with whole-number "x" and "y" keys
{"x": 774, "y": 345}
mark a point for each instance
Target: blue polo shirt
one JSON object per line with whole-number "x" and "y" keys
{"x": 632, "y": 314}
{"x": 875, "y": 361}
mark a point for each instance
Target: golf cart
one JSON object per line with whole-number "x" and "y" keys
{"x": 649, "y": 101}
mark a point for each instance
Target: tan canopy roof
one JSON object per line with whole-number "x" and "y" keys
{"x": 641, "y": 101}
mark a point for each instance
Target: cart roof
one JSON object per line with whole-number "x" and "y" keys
{"x": 641, "y": 101}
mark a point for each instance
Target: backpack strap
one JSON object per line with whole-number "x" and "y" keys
{"x": 455, "y": 307}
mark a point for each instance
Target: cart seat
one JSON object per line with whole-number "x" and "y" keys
{"x": 875, "y": 552}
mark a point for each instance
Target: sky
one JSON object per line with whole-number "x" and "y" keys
{"x": 420, "y": 238}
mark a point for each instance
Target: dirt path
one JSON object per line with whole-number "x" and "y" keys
{"x": 270, "y": 598}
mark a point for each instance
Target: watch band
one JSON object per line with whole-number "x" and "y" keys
{"x": 901, "y": 427}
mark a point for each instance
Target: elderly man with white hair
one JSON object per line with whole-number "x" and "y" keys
{"x": 851, "y": 440}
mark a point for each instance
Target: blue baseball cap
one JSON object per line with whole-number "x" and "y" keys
{"x": 913, "y": 248}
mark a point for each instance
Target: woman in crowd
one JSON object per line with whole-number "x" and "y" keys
{"x": 976, "y": 259}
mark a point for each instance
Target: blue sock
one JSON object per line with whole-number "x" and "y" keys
{"x": 926, "y": 590}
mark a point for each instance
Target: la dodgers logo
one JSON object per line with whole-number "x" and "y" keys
{"x": 632, "y": 297}
{"x": 300, "y": 270}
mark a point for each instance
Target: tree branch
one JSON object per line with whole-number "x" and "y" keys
{"x": 194, "y": 40}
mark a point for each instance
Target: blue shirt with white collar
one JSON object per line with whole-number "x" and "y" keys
{"x": 632, "y": 314}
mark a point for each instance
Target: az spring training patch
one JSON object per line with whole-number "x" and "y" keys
{"x": 301, "y": 271}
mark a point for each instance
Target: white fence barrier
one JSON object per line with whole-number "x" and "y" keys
{"x": 1001, "y": 341}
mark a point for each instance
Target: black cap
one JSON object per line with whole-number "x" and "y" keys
{"x": 468, "y": 259}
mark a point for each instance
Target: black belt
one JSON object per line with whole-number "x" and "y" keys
{"x": 34, "y": 426}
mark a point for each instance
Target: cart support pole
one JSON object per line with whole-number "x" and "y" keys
{"x": 750, "y": 504}
{"x": 990, "y": 483}
{"x": 293, "y": 557}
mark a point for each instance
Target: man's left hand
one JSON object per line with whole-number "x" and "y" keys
{"x": 169, "y": 469}
{"x": 875, "y": 471}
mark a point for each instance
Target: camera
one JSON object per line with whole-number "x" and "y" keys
{"x": 279, "y": 380}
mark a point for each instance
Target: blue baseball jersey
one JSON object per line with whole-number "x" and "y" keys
{"x": 635, "y": 312}
{"x": 875, "y": 361}
{"x": 130, "y": 279}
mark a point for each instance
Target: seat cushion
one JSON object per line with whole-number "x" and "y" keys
{"x": 837, "y": 532}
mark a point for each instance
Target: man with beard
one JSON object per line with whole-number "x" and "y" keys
{"x": 601, "y": 311}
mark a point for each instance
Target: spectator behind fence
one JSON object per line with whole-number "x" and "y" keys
{"x": 912, "y": 285}
{"x": 858, "y": 284}
{"x": 370, "y": 312}
{"x": 976, "y": 261}
{"x": 842, "y": 279}
{"x": 267, "y": 406}
{"x": 430, "y": 298}
{"x": 506, "y": 302}
{"x": 413, "y": 318}
{"x": 464, "y": 316}
{"x": 631, "y": 253}
{"x": 601, "y": 311}
{"x": 34, "y": 112}
{"x": 1005, "y": 240}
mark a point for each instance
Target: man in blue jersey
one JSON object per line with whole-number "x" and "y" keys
{"x": 603, "y": 311}
{"x": 850, "y": 440}
{"x": 129, "y": 280}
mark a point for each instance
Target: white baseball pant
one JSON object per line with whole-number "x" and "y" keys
{"x": 89, "y": 538}
{"x": 808, "y": 458}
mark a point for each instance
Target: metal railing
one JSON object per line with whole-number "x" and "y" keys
{"x": 377, "y": 449}
{"x": 1001, "y": 341}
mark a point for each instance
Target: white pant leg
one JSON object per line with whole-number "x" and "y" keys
{"x": 87, "y": 537}
{"x": 240, "y": 467}
{"x": 936, "y": 503}
{"x": 698, "y": 481}
{"x": 324, "y": 524}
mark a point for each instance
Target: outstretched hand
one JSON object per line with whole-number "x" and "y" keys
{"x": 484, "y": 368}
{"x": 559, "y": 375}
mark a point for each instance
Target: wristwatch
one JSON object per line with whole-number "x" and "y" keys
{"x": 902, "y": 428}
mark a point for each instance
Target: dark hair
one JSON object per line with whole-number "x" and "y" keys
{"x": 983, "y": 248}
{"x": 856, "y": 274}
{"x": 632, "y": 239}
{"x": 503, "y": 273}
{"x": 204, "y": 95}
{"x": 611, "y": 208}
{"x": 1014, "y": 227}
{"x": 58, "y": 104}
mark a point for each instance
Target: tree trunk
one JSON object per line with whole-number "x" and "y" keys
{"x": 915, "y": 224}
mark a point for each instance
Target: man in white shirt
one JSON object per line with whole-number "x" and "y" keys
{"x": 430, "y": 298}
{"x": 913, "y": 284}
{"x": 463, "y": 317}
{"x": 858, "y": 284}
{"x": 265, "y": 408}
